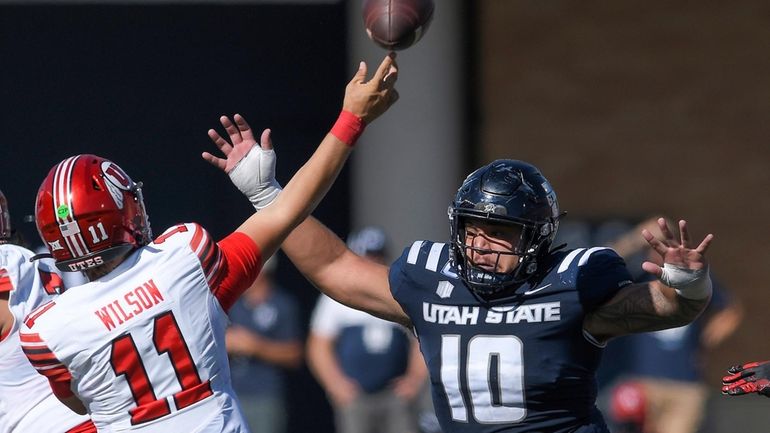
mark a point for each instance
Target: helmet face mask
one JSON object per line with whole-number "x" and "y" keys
{"x": 511, "y": 193}
{"x": 89, "y": 212}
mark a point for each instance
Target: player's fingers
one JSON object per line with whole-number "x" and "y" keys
{"x": 738, "y": 375}
{"x": 213, "y": 160}
{"x": 665, "y": 230}
{"x": 390, "y": 79}
{"x": 383, "y": 69}
{"x": 360, "y": 76}
{"x": 735, "y": 369}
{"x": 232, "y": 130}
{"x": 243, "y": 127}
{"x": 655, "y": 244}
{"x": 739, "y": 388}
{"x": 684, "y": 234}
{"x": 265, "y": 141}
{"x": 732, "y": 390}
{"x": 220, "y": 142}
{"x": 704, "y": 245}
{"x": 652, "y": 268}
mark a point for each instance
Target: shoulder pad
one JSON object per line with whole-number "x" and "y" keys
{"x": 186, "y": 234}
{"x": 431, "y": 256}
{"x": 587, "y": 257}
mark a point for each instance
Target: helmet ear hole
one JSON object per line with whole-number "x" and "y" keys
{"x": 95, "y": 183}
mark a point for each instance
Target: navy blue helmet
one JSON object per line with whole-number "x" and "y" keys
{"x": 504, "y": 192}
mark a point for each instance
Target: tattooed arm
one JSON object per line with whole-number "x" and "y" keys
{"x": 642, "y": 308}
{"x": 653, "y": 306}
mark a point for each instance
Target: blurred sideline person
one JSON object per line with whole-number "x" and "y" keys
{"x": 371, "y": 369}
{"x": 263, "y": 340}
{"x": 26, "y": 402}
{"x": 511, "y": 327}
{"x": 667, "y": 365}
{"x": 141, "y": 347}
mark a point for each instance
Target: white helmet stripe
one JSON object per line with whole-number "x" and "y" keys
{"x": 63, "y": 196}
{"x": 78, "y": 237}
{"x": 59, "y": 196}
{"x": 58, "y": 187}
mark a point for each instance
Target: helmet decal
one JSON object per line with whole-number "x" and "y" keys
{"x": 116, "y": 181}
{"x": 55, "y": 245}
{"x": 63, "y": 211}
{"x": 62, "y": 202}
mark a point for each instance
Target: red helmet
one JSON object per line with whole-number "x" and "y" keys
{"x": 5, "y": 219}
{"x": 89, "y": 212}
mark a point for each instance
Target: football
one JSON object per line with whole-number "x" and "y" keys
{"x": 397, "y": 24}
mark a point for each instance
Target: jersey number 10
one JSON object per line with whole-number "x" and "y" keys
{"x": 494, "y": 372}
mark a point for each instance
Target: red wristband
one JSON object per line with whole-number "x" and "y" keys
{"x": 348, "y": 128}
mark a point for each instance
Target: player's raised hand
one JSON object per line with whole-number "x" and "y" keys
{"x": 684, "y": 267}
{"x": 752, "y": 377}
{"x": 676, "y": 252}
{"x": 241, "y": 142}
{"x": 369, "y": 99}
{"x": 250, "y": 165}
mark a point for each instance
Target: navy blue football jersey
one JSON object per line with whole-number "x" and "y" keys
{"x": 522, "y": 364}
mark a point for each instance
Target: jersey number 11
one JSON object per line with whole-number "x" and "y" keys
{"x": 168, "y": 339}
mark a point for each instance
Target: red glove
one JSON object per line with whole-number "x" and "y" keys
{"x": 748, "y": 378}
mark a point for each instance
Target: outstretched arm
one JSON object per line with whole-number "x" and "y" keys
{"x": 680, "y": 295}
{"x": 364, "y": 101}
{"x": 342, "y": 274}
{"x": 317, "y": 252}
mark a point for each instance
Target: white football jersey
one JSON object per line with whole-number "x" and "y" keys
{"x": 26, "y": 401}
{"x": 144, "y": 347}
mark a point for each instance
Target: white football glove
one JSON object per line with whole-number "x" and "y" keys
{"x": 254, "y": 176}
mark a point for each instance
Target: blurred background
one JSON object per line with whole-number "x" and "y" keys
{"x": 631, "y": 109}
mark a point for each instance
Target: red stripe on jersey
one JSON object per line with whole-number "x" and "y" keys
{"x": 86, "y": 427}
{"x": 5, "y": 284}
{"x": 241, "y": 263}
{"x": 214, "y": 274}
{"x": 196, "y": 239}
{"x": 58, "y": 373}
{"x": 32, "y": 337}
{"x": 206, "y": 256}
{"x": 48, "y": 364}
{"x": 39, "y": 358}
